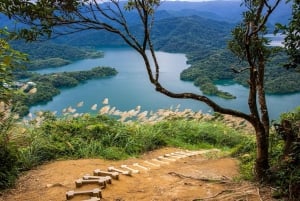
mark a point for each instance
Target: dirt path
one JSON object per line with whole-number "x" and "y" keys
{"x": 191, "y": 178}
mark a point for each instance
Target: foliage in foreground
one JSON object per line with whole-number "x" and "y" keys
{"x": 47, "y": 137}
{"x": 284, "y": 174}
{"x": 8, "y": 150}
{"x": 103, "y": 136}
{"x": 10, "y": 60}
{"x": 285, "y": 171}
{"x": 116, "y": 135}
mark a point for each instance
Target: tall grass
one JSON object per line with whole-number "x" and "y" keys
{"x": 8, "y": 150}
{"x": 114, "y": 135}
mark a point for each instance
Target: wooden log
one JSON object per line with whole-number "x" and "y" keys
{"x": 96, "y": 192}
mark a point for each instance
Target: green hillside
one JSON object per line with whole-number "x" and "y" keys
{"x": 189, "y": 34}
{"x": 218, "y": 66}
{"x": 48, "y": 54}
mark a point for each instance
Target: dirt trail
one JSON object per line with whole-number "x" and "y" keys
{"x": 191, "y": 178}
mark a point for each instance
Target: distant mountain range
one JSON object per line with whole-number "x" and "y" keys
{"x": 177, "y": 34}
{"x": 230, "y": 11}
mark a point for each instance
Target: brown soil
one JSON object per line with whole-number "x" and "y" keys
{"x": 200, "y": 177}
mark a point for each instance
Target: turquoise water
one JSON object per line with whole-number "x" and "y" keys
{"x": 131, "y": 87}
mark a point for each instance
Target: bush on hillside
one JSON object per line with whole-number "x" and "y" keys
{"x": 286, "y": 156}
{"x": 8, "y": 153}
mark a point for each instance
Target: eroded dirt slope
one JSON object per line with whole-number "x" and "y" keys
{"x": 200, "y": 177}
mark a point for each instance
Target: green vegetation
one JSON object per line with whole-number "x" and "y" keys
{"x": 8, "y": 152}
{"x": 218, "y": 66}
{"x": 47, "y": 63}
{"x": 284, "y": 172}
{"x": 204, "y": 71}
{"x": 292, "y": 37}
{"x": 285, "y": 156}
{"x": 208, "y": 88}
{"x": 70, "y": 79}
{"x": 47, "y": 86}
{"x": 47, "y": 54}
{"x": 10, "y": 60}
{"x": 47, "y": 137}
{"x": 174, "y": 34}
{"x": 185, "y": 34}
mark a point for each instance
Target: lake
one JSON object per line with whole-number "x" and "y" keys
{"x": 131, "y": 87}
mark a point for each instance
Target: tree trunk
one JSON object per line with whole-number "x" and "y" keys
{"x": 262, "y": 159}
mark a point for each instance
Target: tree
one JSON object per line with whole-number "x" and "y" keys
{"x": 46, "y": 16}
{"x": 10, "y": 60}
{"x": 292, "y": 32}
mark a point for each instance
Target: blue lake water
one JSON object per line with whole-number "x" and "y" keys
{"x": 131, "y": 88}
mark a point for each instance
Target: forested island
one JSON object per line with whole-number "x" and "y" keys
{"x": 42, "y": 88}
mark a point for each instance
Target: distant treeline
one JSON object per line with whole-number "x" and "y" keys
{"x": 48, "y": 54}
{"x": 45, "y": 87}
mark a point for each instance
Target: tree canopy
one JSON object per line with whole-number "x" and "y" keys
{"x": 292, "y": 32}
{"x": 10, "y": 59}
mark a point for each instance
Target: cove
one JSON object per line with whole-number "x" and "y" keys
{"x": 131, "y": 87}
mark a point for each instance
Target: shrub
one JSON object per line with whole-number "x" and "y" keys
{"x": 8, "y": 152}
{"x": 114, "y": 153}
{"x": 202, "y": 133}
{"x": 285, "y": 171}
